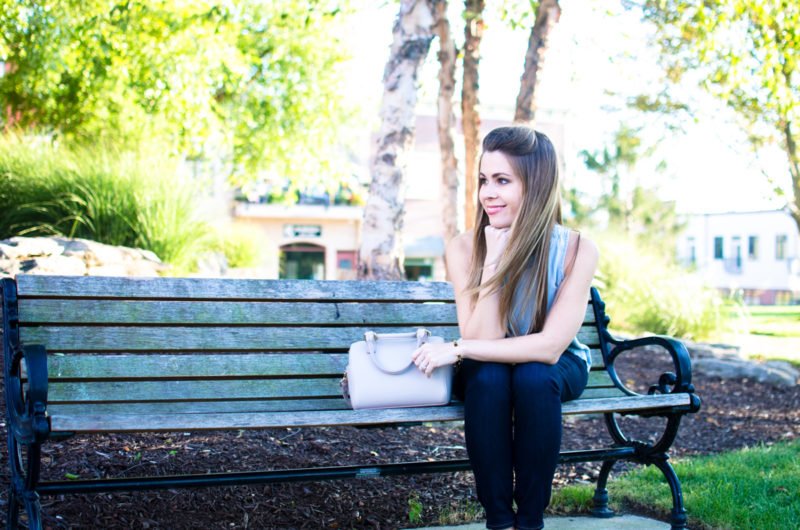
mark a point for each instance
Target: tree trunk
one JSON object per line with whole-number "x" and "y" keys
{"x": 547, "y": 16}
{"x": 446, "y": 122}
{"x": 381, "y": 253}
{"x": 470, "y": 118}
{"x": 794, "y": 171}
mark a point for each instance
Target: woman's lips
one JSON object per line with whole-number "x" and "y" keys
{"x": 491, "y": 210}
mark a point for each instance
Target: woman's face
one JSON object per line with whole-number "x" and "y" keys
{"x": 500, "y": 189}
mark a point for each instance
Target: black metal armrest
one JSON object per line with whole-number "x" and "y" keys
{"x": 679, "y": 381}
{"x": 27, "y": 404}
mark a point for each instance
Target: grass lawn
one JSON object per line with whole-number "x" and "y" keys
{"x": 775, "y": 321}
{"x": 752, "y": 488}
{"x": 767, "y": 333}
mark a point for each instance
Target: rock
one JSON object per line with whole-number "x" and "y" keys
{"x": 74, "y": 257}
{"x": 57, "y": 265}
{"x": 773, "y": 372}
{"x": 20, "y": 247}
{"x": 211, "y": 265}
{"x": 112, "y": 269}
{"x": 717, "y": 351}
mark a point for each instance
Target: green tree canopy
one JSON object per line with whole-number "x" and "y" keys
{"x": 746, "y": 53}
{"x": 254, "y": 81}
{"x": 631, "y": 208}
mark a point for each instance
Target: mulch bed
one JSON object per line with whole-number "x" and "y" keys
{"x": 735, "y": 414}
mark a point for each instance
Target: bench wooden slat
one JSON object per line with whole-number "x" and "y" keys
{"x": 194, "y": 407}
{"x": 228, "y": 289}
{"x": 602, "y": 392}
{"x": 112, "y": 338}
{"x": 159, "y": 366}
{"x": 217, "y": 389}
{"x": 92, "y": 423}
{"x": 121, "y": 391}
{"x": 71, "y": 311}
{"x": 597, "y": 359}
{"x": 220, "y": 366}
{"x": 237, "y": 313}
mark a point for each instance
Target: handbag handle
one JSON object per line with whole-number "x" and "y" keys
{"x": 372, "y": 338}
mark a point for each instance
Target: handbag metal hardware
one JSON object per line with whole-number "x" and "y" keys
{"x": 372, "y": 339}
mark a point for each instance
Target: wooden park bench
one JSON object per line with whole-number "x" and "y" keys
{"x": 132, "y": 355}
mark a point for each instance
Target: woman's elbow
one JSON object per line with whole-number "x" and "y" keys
{"x": 554, "y": 349}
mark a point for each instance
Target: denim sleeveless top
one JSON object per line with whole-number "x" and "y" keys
{"x": 521, "y": 315}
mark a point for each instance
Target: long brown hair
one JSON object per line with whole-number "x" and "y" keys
{"x": 533, "y": 158}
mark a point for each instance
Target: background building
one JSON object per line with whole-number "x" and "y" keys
{"x": 321, "y": 241}
{"x": 755, "y": 252}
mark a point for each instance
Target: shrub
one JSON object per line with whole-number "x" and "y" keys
{"x": 242, "y": 246}
{"x": 646, "y": 291}
{"x": 131, "y": 199}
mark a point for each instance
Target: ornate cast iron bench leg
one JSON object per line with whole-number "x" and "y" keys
{"x": 24, "y": 476}
{"x": 647, "y": 454}
{"x": 600, "y": 498}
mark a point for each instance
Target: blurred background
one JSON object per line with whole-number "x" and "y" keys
{"x": 322, "y": 139}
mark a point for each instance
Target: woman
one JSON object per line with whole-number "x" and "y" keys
{"x": 521, "y": 283}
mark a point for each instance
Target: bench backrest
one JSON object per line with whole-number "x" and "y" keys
{"x": 188, "y": 345}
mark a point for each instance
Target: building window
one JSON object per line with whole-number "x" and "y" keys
{"x": 736, "y": 252}
{"x": 346, "y": 261}
{"x": 780, "y": 247}
{"x": 752, "y": 247}
{"x": 718, "y": 247}
{"x": 692, "y": 251}
{"x": 418, "y": 268}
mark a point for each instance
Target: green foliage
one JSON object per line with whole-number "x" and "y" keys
{"x": 414, "y": 509}
{"x": 746, "y": 53}
{"x": 632, "y": 209}
{"x": 243, "y": 247}
{"x": 465, "y": 511}
{"x": 774, "y": 321}
{"x": 255, "y": 81}
{"x": 571, "y": 499}
{"x": 751, "y": 488}
{"x": 646, "y": 292}
{"x": 99, "y": 194}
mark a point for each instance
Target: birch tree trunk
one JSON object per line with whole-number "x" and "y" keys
{"x": 446, "y": 123}
{"x": 794, "y": 170}
{"x": 547, "y": 15}
{"x": 470, "y": 117}
{"x": 381, "y": 252}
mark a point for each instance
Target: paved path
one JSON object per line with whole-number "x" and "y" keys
{"x": 622, "y": 522}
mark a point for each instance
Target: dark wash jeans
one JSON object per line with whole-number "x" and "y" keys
{"x": 512, "y": 423}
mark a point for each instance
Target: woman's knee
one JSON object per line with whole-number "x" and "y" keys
{"x": 531, "y": 380}
{"x": 487, "y": 379}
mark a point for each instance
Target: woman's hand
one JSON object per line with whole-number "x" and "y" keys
{"x": 496, "y": 240}
{"x": 429, "y": 356}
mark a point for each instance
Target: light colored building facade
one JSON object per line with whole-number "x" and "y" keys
{"x": 307, "y": 241}
{"x": 322, "y": 241}
{"x": 755, "y": 253}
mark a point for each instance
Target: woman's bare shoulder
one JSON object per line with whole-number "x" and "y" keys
{"x": 580, "y": 247}
{"x": 458, "y": 256}
{"x": 461, "y": 245}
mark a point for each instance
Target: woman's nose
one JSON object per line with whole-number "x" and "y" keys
{"x": 488, "y": 191}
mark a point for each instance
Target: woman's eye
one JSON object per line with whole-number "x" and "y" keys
{"x": 503, "y": 181}
{"x": 481, "y": 181}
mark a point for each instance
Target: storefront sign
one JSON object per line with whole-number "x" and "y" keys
{"x": 302, "y": 230}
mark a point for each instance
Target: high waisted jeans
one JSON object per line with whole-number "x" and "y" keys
{"x": 512, "y": 422}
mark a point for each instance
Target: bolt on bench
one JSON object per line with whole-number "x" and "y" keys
{"x": 112, "y": 355}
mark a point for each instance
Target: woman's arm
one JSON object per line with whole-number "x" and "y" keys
{"x": 561, "y": 324}
{"x": 482, "y": 319}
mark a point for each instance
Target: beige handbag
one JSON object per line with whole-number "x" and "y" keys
{"x": 381, "y": 374}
